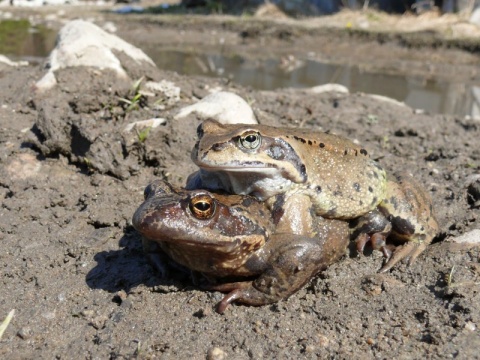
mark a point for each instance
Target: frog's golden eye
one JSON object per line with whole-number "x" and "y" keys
{"x": 250, "y": 140}
{"x": 202, "y": 207}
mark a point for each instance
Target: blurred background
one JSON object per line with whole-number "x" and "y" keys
{"x": 420, "y": 52}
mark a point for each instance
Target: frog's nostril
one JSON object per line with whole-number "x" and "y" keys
{"x": 218, "y": 147}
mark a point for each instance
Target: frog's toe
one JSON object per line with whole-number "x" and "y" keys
{"x": 410, "y": 250}
{"x": 377, "y": 241}
{"x": 361, "y": 241}
{"x": 228, "y": 299}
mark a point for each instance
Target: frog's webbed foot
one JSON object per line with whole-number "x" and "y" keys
{"x": 410, "y": 250}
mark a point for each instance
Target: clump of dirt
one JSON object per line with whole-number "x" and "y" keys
{"x": 73, "y": 266}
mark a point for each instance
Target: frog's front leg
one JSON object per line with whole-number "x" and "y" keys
{"x": 372, "y": 228}
{"x": 156, "y": 257}
{"x": 162, "y": 263}
{"x": 289, "y": 262}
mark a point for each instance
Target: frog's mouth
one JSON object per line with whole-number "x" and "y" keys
{"x": 228, "y": 249}
{"x": 267, "y": 170}
{"x": 226, "y": 245}
{"x": 253, "y": 166}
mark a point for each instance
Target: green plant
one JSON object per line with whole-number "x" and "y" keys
{"x": 4, "y": 324}
{"x": 250, "y": 100}
{"x": 87, "y": 162}
{"x": 385, "y": 142}
{"x": 143, "y": 134}
{"x": 214, "y": 6}
{"x": 371, "y": 119}
{"x": 134, "y": 102}
{"x": 449, "y": 277}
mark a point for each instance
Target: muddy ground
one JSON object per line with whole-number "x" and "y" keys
{"x": 72, "y": 265}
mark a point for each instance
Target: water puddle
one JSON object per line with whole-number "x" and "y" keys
{"x": 19, "y": 40}
{"x": 430, "y": 95}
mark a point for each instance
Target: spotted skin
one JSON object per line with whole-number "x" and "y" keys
{"x": 225, "y": 236}
{"x": 405, "y": 216}
{"x": 333, "y": 174}
{"x": 340, "y": 178}
{"x": 216, "y": 246}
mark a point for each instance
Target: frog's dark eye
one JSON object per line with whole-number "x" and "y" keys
{"x": 202, "y": 207}
{"x": 250, "y": 140}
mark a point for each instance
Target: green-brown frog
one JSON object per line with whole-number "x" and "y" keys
{"x": 336, "y": 175}
{"x": 225, "y": 236}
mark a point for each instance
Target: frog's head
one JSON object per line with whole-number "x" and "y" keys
{"x": 228, "y": 224}
{"x": 259, "y": 149}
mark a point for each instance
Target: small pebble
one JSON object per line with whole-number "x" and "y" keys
{"x": 473, "y": 190}
{"x": 122, "y": 294}
{"x": 470, "y": 326}
{"x": 471, "y": 237}
{"x": 216, "y": 353}
{"x": 24, "y": 333}
{"x": 323, "y": 340}
{"x": 99, "y": 322}
{"x": 87, "y": 313}
{"x": 50, "y": 315}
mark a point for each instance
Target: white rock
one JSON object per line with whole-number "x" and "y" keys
{"x": 329, "y": 88}
{"x": 6, "y": 61}
{"x": 166, "y": 88}
{"x": 471, "y": 237}
{"x": 475, "y": 17}
{"x": 152, "y": 123}
{"x": 23, "y": 166}
{"x": 223, "y": 106}
{"x": 81, "y": 43}
{"x": 386, "y": 99}
{"x": 110, "y": 27}
{"x": 471, "y": 179}
{"x": 37, "y": 3}
{"x": 470, "y": 326}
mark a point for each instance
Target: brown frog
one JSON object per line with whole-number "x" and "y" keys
{"x": 337, "y": 176}
{"x": 233, "y": 236}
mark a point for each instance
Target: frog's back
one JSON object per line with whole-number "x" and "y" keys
{"x": 342, "y": 180}
{"x": 337, "y": 174}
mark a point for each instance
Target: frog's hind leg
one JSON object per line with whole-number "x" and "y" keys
{"x": 408, "y": 207}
